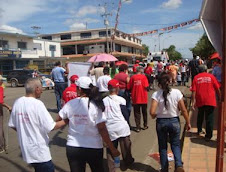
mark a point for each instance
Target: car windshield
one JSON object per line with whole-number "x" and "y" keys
{"x": 156, "y": 58}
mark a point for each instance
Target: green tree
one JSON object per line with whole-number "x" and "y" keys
{"x": 145, "y": 49}
{"x": 172, "y": 53}
{"x": 203, "y": 47}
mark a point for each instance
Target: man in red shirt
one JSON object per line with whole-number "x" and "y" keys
{"x": 138, "y": 85}
{"x": 135, "y": 66}
{"x": 2, "y": 104}
{"x": 203, "y": 90}
{"x": 123, "y": 79}
{"x": 71, "y": 91}
{"x": 148, "y": 71}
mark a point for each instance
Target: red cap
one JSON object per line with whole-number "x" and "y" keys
{"x": 74, "y": 78}
{"x": 137, "y": 61}
{"x": 113, "y": 83}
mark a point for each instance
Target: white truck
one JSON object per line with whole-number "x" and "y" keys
{"x": 156, "y": 56}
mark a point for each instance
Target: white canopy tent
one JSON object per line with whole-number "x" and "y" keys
{"x": 211, "y": 16}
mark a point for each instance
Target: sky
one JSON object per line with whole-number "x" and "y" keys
{"x": 54, "y": 16}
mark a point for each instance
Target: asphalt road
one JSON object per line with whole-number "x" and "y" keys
{"x": 143, "y": 143}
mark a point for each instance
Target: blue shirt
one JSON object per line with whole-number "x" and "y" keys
{"x": 58, "y": 74}
{"x": 217, "y": 73}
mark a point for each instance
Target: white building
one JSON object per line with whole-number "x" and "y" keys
{"x": 81, "y": 45}
{"x": 18, "y": 51}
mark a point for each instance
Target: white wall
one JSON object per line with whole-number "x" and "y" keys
{"x": 43, "y": 48}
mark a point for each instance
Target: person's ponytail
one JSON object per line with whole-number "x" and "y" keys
{"x": 164, "y": 81}
{"x": 95, "y": 97}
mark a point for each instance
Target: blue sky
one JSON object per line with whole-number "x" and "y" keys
{"x": 135, "y": 16}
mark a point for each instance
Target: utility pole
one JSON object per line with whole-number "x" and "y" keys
{"x": 106, "y": 23}
{"x": 35, "y": 30}
{"x": 159, "y": 41}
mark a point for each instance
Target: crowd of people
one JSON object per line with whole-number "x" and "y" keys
{"x": 99, "y": 115}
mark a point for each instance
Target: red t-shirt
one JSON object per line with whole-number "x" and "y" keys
{"x": 204, "y": 85}
{"x": 148, "y": 70}
{"x": 138, "y": 84}
{"x": 1, "y": 95}
{"x": 70, "y": 93}
{"x": 122, "y": 79}
{"x": 135, "y": 68}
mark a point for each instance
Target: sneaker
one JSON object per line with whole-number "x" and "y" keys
{"x": 2, "y": 150}
{"x": 137, "y": 130}
{"x": 145, "y": 128}
{"x": 179, "y": 169}
{"x": 201, "y": 133}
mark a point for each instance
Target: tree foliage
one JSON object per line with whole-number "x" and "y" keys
{"x": 172, "y": 53}
{"x": 203, "y": 47}
{"x": 145, "y": 49}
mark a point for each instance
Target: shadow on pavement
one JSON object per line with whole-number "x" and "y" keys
{"x": 52, "y": 110}
{"x": 137, "y": 166}
{"x": 201, "y": 141}
{"x": 22, "y": 169}
{"x": 57, "y": 140}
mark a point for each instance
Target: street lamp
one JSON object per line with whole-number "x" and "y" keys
{"x": 164, "y": 41}
{"x": 159, "y": 40}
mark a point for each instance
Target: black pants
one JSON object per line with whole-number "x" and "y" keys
{"x": 78, "y": 157}
{"x": 43, "y": 166}
{"x": 59, "y": 88}
{"x": 2, "y": 138}
{"x": 208, "y": 112}
{"x": 137, "y": 114}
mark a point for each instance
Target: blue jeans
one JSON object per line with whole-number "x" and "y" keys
{"x": 43, "y": 167}
{"x": 169, "y": 127}
{"x": 126, "y": 95}
{"x": 59, "y": 88}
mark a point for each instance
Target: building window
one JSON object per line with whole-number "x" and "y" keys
{"x": 22, "y": 45}
{"x": 4, "y": 44}
{"x": 68, "y": 50}
{"x": 117, "y": 34}
{"x": 86, "y": 35}
{"x": 64, "y": 37}
{"x": 47, "y": 37}
{"x": 52, "y": 47}
{"x": 130, "y": 38}
{"x": 103, "y": 33}
{"x": 117, "y": 47}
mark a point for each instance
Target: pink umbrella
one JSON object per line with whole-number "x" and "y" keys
{"x": 102, "y": 58}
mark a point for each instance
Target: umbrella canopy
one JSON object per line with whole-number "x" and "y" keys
{"x": 210, "y": 17}
{"x": 102, "y": 58}
{"x": 215, "y": 56}
{"x": 118, "y": 63}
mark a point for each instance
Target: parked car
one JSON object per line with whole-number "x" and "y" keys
{"x": 19, "y": 76}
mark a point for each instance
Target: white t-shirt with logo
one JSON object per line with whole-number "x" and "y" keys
{"x": 173, "y": 98}
{"x": 102, "y": 83}
{"x": 32, "y": 121}
{"x": 83, "y": 118}
{"x": 116, "y": 124}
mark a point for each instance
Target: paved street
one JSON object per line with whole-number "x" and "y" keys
{"x": 143, "y": 143}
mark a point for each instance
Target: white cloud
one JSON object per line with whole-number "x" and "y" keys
{"x": 6, "y": 28}
{"x": 197, "y": 26}
{"x": 87, "y": 10}
{"x": 127, "y": 1}
{"x": 78, "y": 26}
{"x": 19, "y": 10}
{"x": 171, "y": 4}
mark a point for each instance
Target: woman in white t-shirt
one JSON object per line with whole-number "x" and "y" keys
{"x": 166, "y": 105}
{"x": 86, "y": 128}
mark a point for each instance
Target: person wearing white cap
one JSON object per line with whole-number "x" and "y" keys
{"x": 86, "y": 128}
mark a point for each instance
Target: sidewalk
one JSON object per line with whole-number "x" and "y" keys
{"x": 199, "y": 155}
